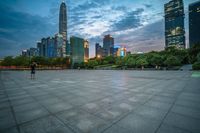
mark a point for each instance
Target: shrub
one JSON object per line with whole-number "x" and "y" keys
{"x": 172, "y": 61}
{"x": 196, "y": 66}
{"x": 141, "y": 62}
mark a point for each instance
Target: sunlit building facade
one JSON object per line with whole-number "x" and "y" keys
{"x": 194, "y": 23}
{"x": 120, "y": 51}
{"x": 86, "y": 50}
{"x": 174, "y": 24}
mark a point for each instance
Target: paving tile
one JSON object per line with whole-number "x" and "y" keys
{"x": 158, "y": 104}
{"x": 183, "y": 122}
{"x": 6, "y": 122}
{"x": 139, "y": 124}
{"x": 82, "y": 121}
{"x": 117, "y": 129}
{"x": 190, "y": 112}
{"x": 29, "y": 115}
{"x": 61, "y": 106}
{"x": 151, "y": 112}
{"x": 10, "y": 130}
{"x": 92, "y": 101}
{"x": 45, "y": 125}
{"x": 22, "y": 101}
{"x": 4, "y": 104}
{"x": 27, "y": 106}
{"x": 170, "y": 129}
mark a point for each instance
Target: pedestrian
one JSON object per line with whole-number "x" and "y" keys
{"x": 33, "y": 66}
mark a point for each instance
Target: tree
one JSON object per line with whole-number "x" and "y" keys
{"x": 105, "y": 62}
{"x": 198, "y": 57}
{"x": 131, "y": 62}
{"x": 8, "y": 61}
{"x": 21, "y": 61}
{"x": 156, "y": 60}
{"x": 193, "y": 52}
{"x": 39, "y": 60}
{"x": 119, "y": 61}
{"x": 172, "y": 61}
{"x": 110, "y": 59}
{"x": 142, "y": 62}
{"x": 92, "y": 63}
{"x": 196, "y": 66}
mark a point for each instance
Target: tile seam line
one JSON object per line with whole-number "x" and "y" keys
{"x": 171, "y": 109}
{"x": 12, "y": 110}
{"x": 50, "y": 114}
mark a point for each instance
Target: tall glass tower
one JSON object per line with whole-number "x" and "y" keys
{"x": 194, "y": 23}
{"x": 174, "y": 24}
{"x": 108, "y": 45}
{"x": 63, "y": 19}
{"x": 63, "y": 27}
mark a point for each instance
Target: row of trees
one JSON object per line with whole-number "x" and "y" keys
{"x": 24, "y": 61}
{"x": 171, "y": 57}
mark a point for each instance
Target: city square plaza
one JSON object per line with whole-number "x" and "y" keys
{"x": 100, "y": 101}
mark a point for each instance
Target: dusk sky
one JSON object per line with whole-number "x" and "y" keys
{"x": 137, "y": 24}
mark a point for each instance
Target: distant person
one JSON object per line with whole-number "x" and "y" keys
{"x": 33, "y": 66}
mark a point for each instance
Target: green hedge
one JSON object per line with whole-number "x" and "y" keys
{"x": 196, "y": 66}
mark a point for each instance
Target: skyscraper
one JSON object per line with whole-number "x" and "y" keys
{"x": 63, "y": 26}
{"x": 174, "y": 24}
{"x": 39, "y": 47}
{"x": 63, "y": 20}
{"x": 59, "y": 45}
{"x": 108, "y": 45}
{"x": 99, "y": 51}
{"x": 194, "y": 23}
{"x": 51, "y": 49}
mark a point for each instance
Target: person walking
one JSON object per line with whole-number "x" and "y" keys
{"x": 33, "y": 66}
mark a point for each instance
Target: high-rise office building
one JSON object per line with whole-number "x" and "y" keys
{"x": 63, "y": 27}
{"x": 86, "y": 50}
{"x": 26, "y": 52}
{"x": 194, "y": 23}
{"x": 59, "y": 44}
{"x": 174, "y": 24}
{"x": 30, "y": 52}
{"x": 51, "y": 49}
{"x": 108, "y": 45}
{"x": 43, "y": 47}
{"x": 33, "y": 52}
{"x": 68, "y": 49}
{"x": 63, "y": 19}
{"x": 77, "y": 50}
{"x": 39, "y": 47}
{"x": 99, "y": 51}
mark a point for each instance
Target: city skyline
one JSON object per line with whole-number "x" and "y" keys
{"x": 140, "y": 26}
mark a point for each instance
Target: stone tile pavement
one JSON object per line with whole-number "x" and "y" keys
{"x": 83, "y": 101}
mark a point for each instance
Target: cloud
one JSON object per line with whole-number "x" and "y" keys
{"x": 21, "y": 30}
{"x": 130, "y": 21}
{"x": 148, "y": 5}
{"x": 147, "y": 38}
